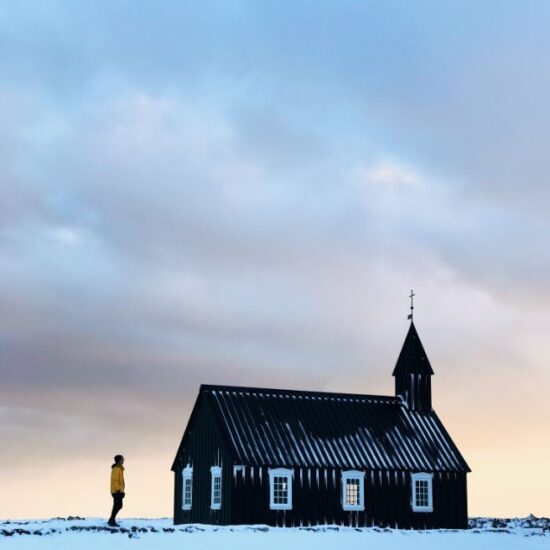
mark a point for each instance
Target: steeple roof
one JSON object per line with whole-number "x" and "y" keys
{"x": 413, "y": 358}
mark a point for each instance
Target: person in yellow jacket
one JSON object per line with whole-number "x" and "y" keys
{"x": 117, "y": 488}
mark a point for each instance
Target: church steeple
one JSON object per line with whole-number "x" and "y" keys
{"x": 413, "y": 373}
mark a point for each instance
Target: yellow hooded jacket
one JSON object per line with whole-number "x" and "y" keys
{"x": 117, "y": 479}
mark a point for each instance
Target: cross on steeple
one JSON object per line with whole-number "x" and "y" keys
{"x": 412, "y": 295}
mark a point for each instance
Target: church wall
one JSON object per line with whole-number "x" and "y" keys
{"x": 204, "y": 448}
{"x": 317, "y": 500}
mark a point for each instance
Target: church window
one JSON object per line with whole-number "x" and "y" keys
{"x": 422, "y": 497}
{"x": 216, "y": 489}
{"x": 280, "y": 489}
{"x": 187, "y": 487}
{"x": 353, "y": 490}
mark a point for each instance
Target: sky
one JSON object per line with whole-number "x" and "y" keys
{"x": 245, "y": 193}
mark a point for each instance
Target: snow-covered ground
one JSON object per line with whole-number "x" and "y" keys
{"x": 148, "y": 534}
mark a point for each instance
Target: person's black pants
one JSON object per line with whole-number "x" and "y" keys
{"x": 117, "y": 505}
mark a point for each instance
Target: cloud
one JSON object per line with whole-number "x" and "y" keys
{"x": 218, "y": 195}
{"x": 388, "y": 174}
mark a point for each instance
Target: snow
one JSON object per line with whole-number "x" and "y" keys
{"x": 149, "y": 534}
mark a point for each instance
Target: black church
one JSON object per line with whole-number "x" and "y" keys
{"x": 303, "y": 458}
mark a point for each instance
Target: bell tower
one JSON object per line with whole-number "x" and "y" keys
{"x": 413, "y": 371}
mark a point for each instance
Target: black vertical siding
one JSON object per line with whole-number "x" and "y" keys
{"x": 416, "y": 389}
{"x": 203, "y": 448}
{"x": 387, "y": 500}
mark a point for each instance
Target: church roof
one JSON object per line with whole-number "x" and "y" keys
{"x": 337, "y": 430}
{"x": 413, "y": 358}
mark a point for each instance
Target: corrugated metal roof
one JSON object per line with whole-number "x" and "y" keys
{"x": 317, "y": 429}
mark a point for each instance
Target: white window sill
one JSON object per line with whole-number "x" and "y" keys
{"x": 186, "y": 507}
{"x": 280, "y": 506}
{"x": 353, "y": 508}
{"x": 422, "y": 508}
{"x": 216, "y": 507}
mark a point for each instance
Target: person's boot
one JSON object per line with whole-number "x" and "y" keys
{"x": 112, "y": 523}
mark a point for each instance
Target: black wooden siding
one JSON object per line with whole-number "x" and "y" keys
{"x": 317, "y": 500}
{"x": 203, "y": 448}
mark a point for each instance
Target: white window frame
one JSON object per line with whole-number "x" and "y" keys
{"x": 187, "y": 476}
{"x": 359, "y": 476}
{"x": 215, "y": 473}
{"x": 422, "y": 477}
{"x": 280, "y": 472}
{"x": 238, "y": 468}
